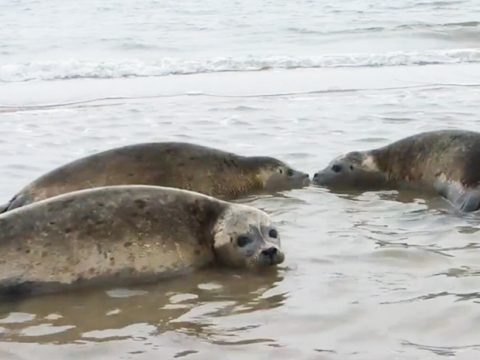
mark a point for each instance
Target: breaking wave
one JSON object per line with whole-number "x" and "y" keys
{"x": 79, "y": 69}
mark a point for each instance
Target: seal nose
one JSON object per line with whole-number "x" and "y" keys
{"x": 270, "y": 252}
{"x": 305, "y": 179}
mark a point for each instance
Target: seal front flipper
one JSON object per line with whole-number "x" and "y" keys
{"x": 466, "y": 200}
{"x": 470, "y": 201}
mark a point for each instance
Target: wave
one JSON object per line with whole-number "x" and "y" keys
{"x": 84, "y": 69}
{"x": 447, "y": 28}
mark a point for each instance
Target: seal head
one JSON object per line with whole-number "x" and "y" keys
{"x": 356, "y": 170}
{"x": 245, "y": 237}
{"x": 276, "y": 175}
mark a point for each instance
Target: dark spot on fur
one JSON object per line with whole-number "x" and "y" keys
{"x": 181, "y": 164}
{"x": 68, "y": 202}
{"x": 140, "y": 203}
{"x": 51, "y": 223}
{"x": 127, "y": 244}
{"x": 27, "y": 251}
{"x": 131, "y": 174}
{"x": 100, "y": 204}
{"x": 203, "y": 216}
{"x": 230, "y": 162}
{"x": 68, "y": 230}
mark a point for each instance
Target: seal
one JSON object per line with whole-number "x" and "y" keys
{"x": 181, "y": 165}
{"x": 445, "y": 162}
{"x": 131, "y": 234}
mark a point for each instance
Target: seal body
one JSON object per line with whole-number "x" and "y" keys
{"x": 446, "y": 162}
{"x": 128, "y": 234}
{"x": 181, "y": 165}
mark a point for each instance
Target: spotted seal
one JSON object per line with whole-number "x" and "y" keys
{"x": 445, "y": 162}
{"x": 132, "y": 233}
{"x": 182, "y": 165}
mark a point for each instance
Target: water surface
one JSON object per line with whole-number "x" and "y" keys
{"x": 367, "y": 276}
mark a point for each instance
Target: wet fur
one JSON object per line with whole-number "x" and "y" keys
{"x": 118, "y": 234}
{"x": 181, "y": 165}
{"x": 446, "y": 162}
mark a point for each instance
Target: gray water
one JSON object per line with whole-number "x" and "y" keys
{"x": 378, "y": 275}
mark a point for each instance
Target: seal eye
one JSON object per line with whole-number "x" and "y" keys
{"x": 337, "y": 168}
{"x": 290, "y": 172}
{"x": 243, "y": 240}
{"x": 280, "y": 170}
{"x": 351, "y": 167}
{"x": 273, "y": 233}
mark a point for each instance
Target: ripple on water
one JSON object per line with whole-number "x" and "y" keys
{"x": 366, "y": 274}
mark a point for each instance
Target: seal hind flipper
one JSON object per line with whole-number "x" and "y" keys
{"x": 4, "y": 207}
{"x": 15, "y": 202}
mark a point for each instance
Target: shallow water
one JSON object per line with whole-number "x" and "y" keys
{"x": 367, "y": 276}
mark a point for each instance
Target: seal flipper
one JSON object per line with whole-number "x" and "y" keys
{"x": 470, "y": 201}
{"x": 4, "y": 207}
{"x": 466, "y": 200}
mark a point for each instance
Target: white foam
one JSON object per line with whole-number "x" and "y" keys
{"x": 106, "y": 69}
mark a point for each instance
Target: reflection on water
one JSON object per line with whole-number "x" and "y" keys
{"x": 365, "y": 272}
{"x": 368, "y": 275}
{"x": 186, "y": 305}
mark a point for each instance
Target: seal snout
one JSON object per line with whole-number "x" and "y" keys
{"x": 272, "y": 256}
{"x": 318, "y": 178}
{"x": 270, "y": 252}
{"x": 306, "y": 179}
{"x": 302, "y": 178}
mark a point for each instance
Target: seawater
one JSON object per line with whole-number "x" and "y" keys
{"x": 371, "y": 275}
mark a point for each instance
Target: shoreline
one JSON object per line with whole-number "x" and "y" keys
{"x": 56, "y": 93}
